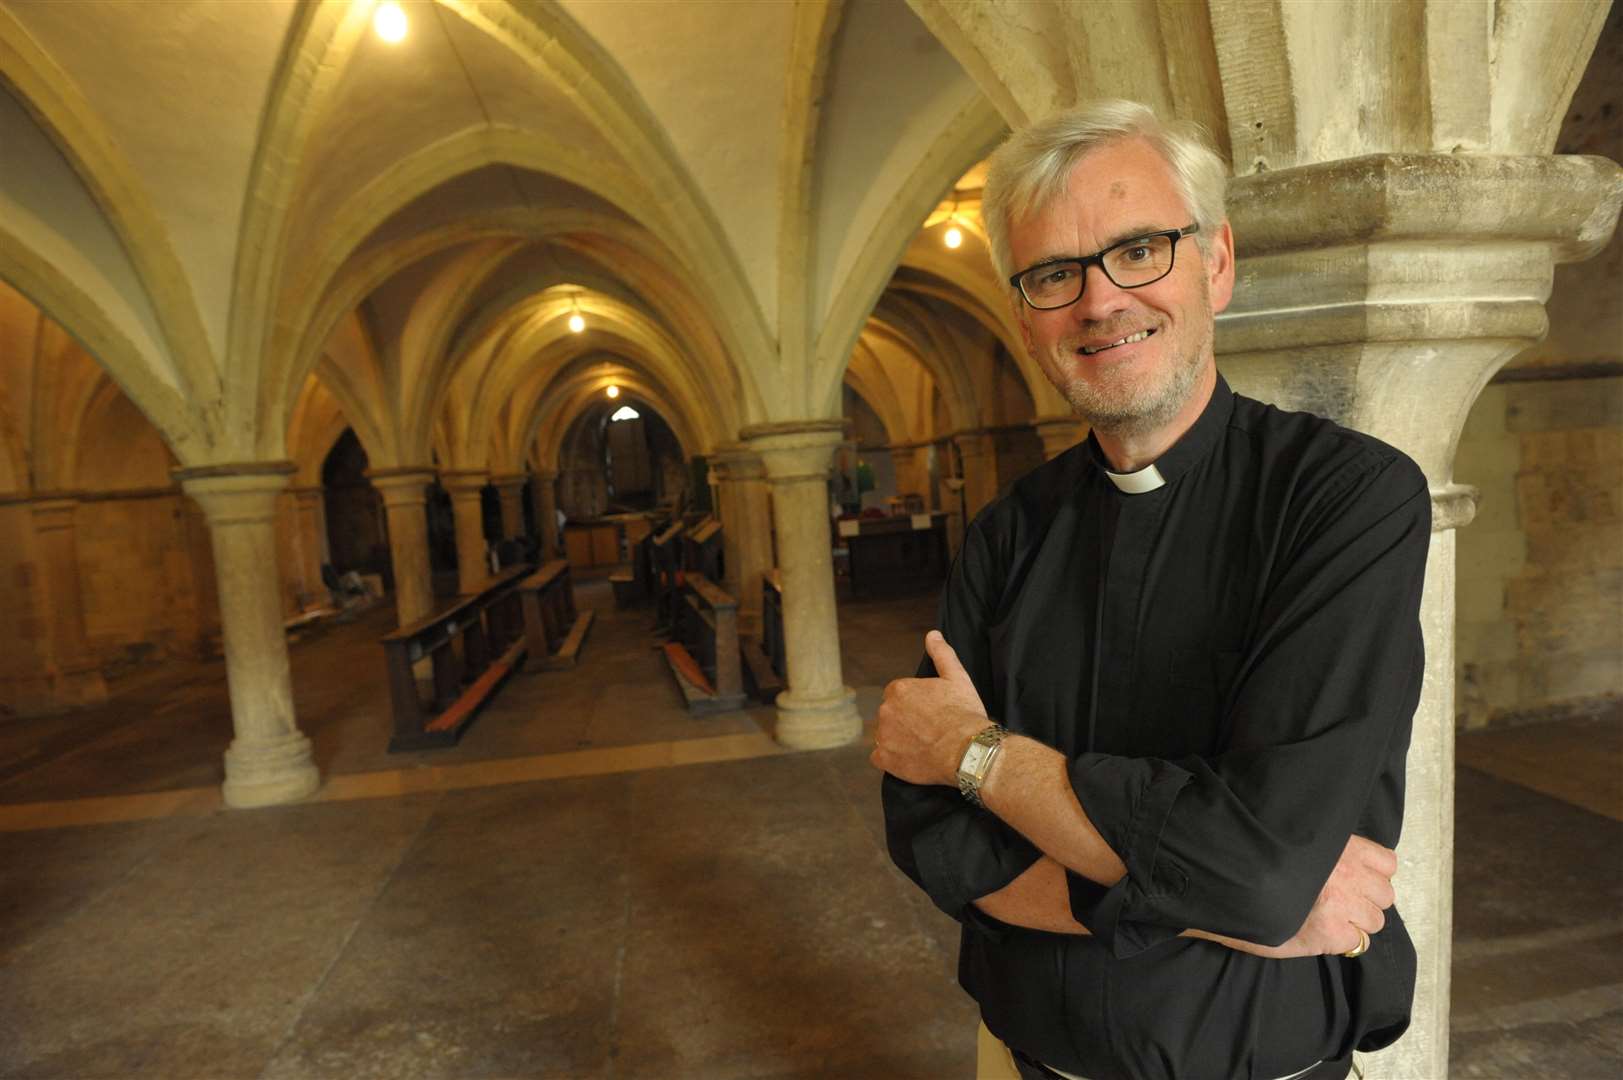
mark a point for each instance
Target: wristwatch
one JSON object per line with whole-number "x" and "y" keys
{"x": 977, "y": 761}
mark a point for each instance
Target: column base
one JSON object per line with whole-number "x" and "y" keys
{"x": 818, "y": 723}
{"x": 269, "y": 772}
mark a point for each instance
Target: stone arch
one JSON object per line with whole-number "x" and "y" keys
{"x": 552, "y": 419}
{"x": 967, "y": 139}
{"x": 612, "y": 329}
{"x": 370, "y": 269}
{"x": 319, "y": 419}
{"x": 118, "y": 448}
{"x": 94, "y": 253}
{"x": 866, "y": 376}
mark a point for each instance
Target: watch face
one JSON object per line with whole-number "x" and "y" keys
{"x": 975, "y": 758}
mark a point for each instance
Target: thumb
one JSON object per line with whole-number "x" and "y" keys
{"x": 944, "y": 658}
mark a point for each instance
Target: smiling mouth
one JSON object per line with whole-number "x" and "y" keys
{"x": 1128, "y": 340}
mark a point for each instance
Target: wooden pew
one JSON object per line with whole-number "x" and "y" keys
{"x": 702, "y": 550}
{"x": 764, "y": 656}
{"x": 634, "y": 585}
{"x": 666, "y": 558}
{"x": 471, "y": 647}
{"x": 704, "y": 650}
{"x": 553, "y": 629}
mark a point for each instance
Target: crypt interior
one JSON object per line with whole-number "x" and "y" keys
{"x": 368, "y": 372}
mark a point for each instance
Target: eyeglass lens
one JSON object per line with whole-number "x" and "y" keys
{"x": 1128, "y": 265}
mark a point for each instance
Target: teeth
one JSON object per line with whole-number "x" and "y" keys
{"x": 1128, "y": 340}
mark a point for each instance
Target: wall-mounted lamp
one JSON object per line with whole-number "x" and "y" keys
{"x": 389, "y": 20}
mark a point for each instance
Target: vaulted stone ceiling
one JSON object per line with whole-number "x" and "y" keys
{"x": 204, "y": 193}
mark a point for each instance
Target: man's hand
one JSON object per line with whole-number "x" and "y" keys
{"x": 1354, "y": 898}
{"x": 924, "y": 725}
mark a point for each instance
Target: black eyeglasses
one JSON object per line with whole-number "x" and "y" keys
{"x": 1131, "y": 264}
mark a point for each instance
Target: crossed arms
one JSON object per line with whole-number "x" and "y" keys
{"x": 923, "y": 727}
{"x": 1253, "y": 845}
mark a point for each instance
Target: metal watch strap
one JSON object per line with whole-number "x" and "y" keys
{"x": 970, "y": 779}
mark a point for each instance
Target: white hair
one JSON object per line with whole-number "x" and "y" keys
{"x": 1033, "y": 167}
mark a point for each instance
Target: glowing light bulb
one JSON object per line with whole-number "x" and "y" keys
{"x": 613, "y": 391}
{"x": 576, "y": 323}
{"x": 954, "y": 236}
{"x": 389, "y": 20}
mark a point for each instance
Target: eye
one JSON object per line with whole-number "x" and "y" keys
{"x": 1055, "y": 275}
{"x": 1136, "y": 253}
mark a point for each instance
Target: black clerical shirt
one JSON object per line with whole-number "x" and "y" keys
{"x": 1230, "y": 662}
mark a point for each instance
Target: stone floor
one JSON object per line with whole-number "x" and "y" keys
{"x": 595, "y": 884}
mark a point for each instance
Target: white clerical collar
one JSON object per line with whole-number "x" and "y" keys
{"x": 1137, "y": 483}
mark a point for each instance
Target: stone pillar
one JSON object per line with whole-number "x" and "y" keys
{"x": 1058, "y": 434}
{"x": 746, "y": 530}
{"x": 309, "y": 540}
{"x": 817, "y": 710}
{"x": 980, "y": 470}
{"x": 269, "y": 759}
{"x": 544, "y": 491}
{"x": 405, "y": 504}
{"x": 510, "y": 490}
{"x": 1385, "y": 291}
{"x": 466, "y": 488}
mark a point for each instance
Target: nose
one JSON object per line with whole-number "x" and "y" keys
{"x": 1101, "y": 298}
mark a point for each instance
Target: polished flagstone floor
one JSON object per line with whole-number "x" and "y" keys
{"x": 595, "y": 884}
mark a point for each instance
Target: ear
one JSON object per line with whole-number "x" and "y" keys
{"x": 1219, "y": 262}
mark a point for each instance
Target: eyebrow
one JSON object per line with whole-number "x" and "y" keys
{"x": 1122, "y": 237}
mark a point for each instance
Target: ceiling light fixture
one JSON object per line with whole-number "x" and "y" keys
{"x": 389, "y": 20}
{"x": 577, "y": 321}
{"x": 613, "y": 391}
{"x": 954, "y": 236}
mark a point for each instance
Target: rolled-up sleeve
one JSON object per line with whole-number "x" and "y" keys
{"x": 1318, "y": 718}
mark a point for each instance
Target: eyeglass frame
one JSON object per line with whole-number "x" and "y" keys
{"x": 1098, "y": 259}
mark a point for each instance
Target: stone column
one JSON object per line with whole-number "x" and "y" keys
{"x": 269, "y": 759}
{"x": 746, "y": 530}
{"x": 817, "y": 710}
{"x": 1058, "y": 434}
{"x": 466, "y": 488}
{"x": 405, "y": 503}
{"x": 510, "y": 490}
{"x": 1385, "y": 291}
{"x": 980, "y": 469}
{"x": 544, "y": 491}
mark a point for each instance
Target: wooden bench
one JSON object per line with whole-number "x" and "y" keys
{"x": 703, "y": 650}
{"x": 553, "y": 629}
{"x": 471, "y": 647}
{"x": 764, "y": 658}
{"x": 702, "y": 551}
{"x": 666, "y": 563}
{"x": 633, "y": 585}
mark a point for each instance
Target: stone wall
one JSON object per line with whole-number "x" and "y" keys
{"x": 1541, "y": 567}
{"x": 146, "y": 575}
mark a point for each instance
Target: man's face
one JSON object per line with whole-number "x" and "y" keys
{"x": 1118, "y": 191}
